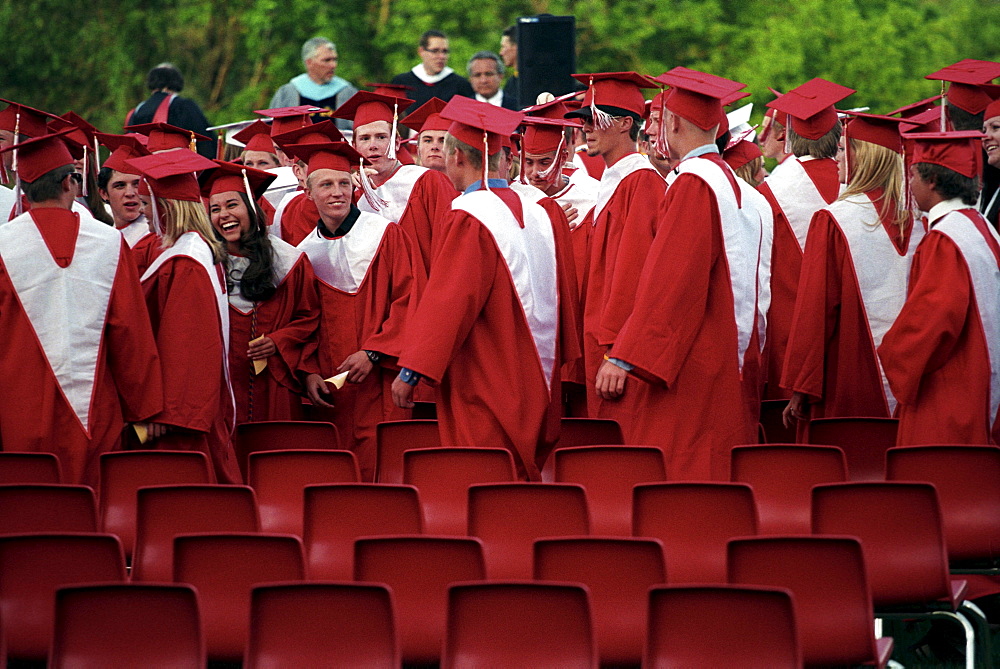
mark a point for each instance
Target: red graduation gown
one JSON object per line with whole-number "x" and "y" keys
{"x": 90, "y": 262}
{"x": 937, "y": 355}
{"x": 831, "y": 349}
{"x": 298, "y": 218}
{"x": 418, "y": 200}
{"x": 363, "y": 307}
{"x": 803, "y": 195}
{"x": 683, "y": 335}
{"x": 184, "y": 307}
{"x": 290, "y": 318}
{"x": 621, "y": 232}
{"x": 470, "y": 334}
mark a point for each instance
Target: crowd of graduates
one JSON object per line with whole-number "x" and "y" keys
{"x": 594, "y": 254}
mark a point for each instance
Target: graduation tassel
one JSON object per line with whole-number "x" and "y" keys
{"x": 555, "y": 166}
{"x": 193, "y": 144}
{"x": 486, "y": 160}
{"x": 157, "y": 228}
{"x": 368, "y": 189}
{"x": 944, "y": 108}
{"x": 602, "y": 119}
{"x": 18, "y": 204}
{"x": 391, "y": 151}
{"x": 86, "y": 172}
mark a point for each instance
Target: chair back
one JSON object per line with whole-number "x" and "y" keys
{"x": 863, "y": 440}
{"x": 393, "y": 438}
{"x": 276, "y": 435}
{"x": 29, "y": 467}
{"x": 47, "y": 507}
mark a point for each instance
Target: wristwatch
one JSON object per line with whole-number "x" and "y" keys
{"x": 374, "y": 356}
{"x": 409, "y": 377}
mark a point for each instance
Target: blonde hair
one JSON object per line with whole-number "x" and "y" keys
{"x": 872, "y": 166}
{"x": 748, "y": 171}
{"x": 180, "y": 216}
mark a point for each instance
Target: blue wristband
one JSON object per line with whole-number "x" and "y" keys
{"x": 409, "y": 377}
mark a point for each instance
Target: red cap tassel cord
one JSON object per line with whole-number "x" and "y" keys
{"x": 602, "y": 119}
{"x": 391, "y": 151}
{"x": 486, "y": 160}
{"x": 368, "y": 189}
{"x": 18, "y": 206}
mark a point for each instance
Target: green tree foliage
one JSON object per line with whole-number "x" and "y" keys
{"x": 93, "y": 56}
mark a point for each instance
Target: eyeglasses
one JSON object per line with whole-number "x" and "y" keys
{"x": 438, "y": 51}
{"x": 76, "y": 176}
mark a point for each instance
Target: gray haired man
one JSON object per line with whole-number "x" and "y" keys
{"x": 318, "y": 85}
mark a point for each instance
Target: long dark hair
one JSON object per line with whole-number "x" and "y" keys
{"x": 258, "y": 281}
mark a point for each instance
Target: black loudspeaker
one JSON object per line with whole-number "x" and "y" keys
{"x": 546, "y": 56}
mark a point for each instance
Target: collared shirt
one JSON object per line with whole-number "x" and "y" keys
{"x": 492, "y": 183}
{"x": 701, "y": 150}
{"x": 946, "y": 207}
{"x": 496, "y": 100}
{"x": 345, "y": 226}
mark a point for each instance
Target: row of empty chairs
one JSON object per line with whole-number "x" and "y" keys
{"x": 609, "y": 607}
{"x": 903, "y": 541}
{"x": 488, "y": 624}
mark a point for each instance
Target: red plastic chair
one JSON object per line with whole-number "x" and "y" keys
{"x": 967, "y": 479}
{"x": 166, "y": 511}
{"x": 828, "y": 580}
{"x": 694, "y": 520}
{"x": 127, "y": 625}
{"x": 692, "y": 627}
{"x": 443, "y": 477}
{"x": 782, "y": 477}
{"x": 508, "y": 517}
{"x": 772, "y": 423}
{"x": 863, "y": 440}
{"x": 345, "y": 625}
{"x": 609, "y": 473}
{"x": 337, "y": 514}
{"x": 418, "y": 571}
{"x": 583, "y": 432}
{"x": 618, "y": 572}
{"x": 33, "y": 566}
{"x": 393, "y": 438}
{"x": 518, "y": 624}
{"x": 899, "y": 525}
{"x": 47, "y": 507}
{"x": 223, "y": 568}
{"x": 278, "y": 435}
{"x": 279, "y": 478}
{"x": 29, "y": 467}
{"x": 124, "y": 472}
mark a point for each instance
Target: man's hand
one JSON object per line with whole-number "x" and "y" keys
{"x": 316, "y": 388}
{"x": 401, "y": 393}
{"x": 356, "y": 176}
{"x": 797, "y": 409}
{"x": 358, "y": 365}
{"x": 155, "y": 430}
{"x": 610, "y": 381}
{"x": 261, "y": 348}
{"x": 571, "y": 213}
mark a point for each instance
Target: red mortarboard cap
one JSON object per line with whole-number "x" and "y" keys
{"x": 775, "y": 115}
{"x": 698, "y": 96}
{"x": 225, "y": 177}
{"x": 810, "y": 106}
{"x": 619, "y": 90}
{"x": 966, "y": 77}
{"x": 915, "y": 108}
{"x": 163, "y": 136}
{"x": 256, "y": 137}
{"x": 427, "y": 117}
{"x": 543, "y": 135}
{"x": 24, "y": 119}
{"x": 171, "y": 175}
{"x": 555, "y": 108}
{"x": 992, "y": 110}
{"x": 339, "y": 156}
{"x": 364, "y": 108}
{"x": 960, "y": 151}
{"x": 391, "y": 90}
{"x": 926, "y": 121}
{"x": 877, "y": 129}
{"x": 41, "y": 155}
{"x": 471, "y": 119}
{"x": 317, "y": 133}
{"x": 289, "y": 118}
{"x": 82, "y": 132}
{"x": 740, "y": 153}
{"x": 123, "y": 148}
